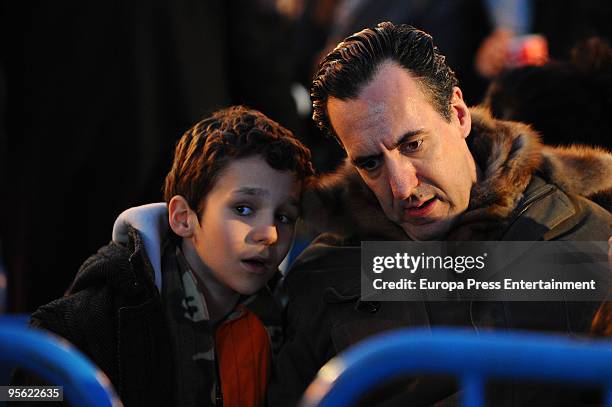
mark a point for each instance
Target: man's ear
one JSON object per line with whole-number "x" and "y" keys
{"x": 461, "y": 111}
{"x": 181, "y": 217}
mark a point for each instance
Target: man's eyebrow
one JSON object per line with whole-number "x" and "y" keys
{"x": 361, "y": 160}
{"x": 406, "y": 137}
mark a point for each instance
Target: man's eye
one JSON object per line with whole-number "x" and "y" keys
{"x": 244, "y": 210}
{"x": 412, "y": 146}
{"x": 370, "y": 165}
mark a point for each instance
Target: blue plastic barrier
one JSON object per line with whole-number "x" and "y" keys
{"x": 56, "y": 361}
{"x": 471, "y": 357}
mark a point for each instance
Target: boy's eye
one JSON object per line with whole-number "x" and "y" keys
{"x": 244, "y": 210}
{"x": 285, "y": 219}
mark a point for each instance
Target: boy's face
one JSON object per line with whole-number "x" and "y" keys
{"x": 247, "y": 224}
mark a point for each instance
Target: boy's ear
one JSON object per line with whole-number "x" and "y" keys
{"x": 181, "y": 217}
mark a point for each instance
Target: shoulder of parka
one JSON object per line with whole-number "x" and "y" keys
{"x": 125, "y": 268}
{"x": 87, "y": 319}
{"x": 108, "y": 280}
{"x": 548, "y": 213}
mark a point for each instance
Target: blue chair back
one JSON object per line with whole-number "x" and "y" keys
{"x": 56, "y": 361}
{"x": 469, "y": 356}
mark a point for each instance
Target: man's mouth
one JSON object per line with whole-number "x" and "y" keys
{"x": 420, "y": 210}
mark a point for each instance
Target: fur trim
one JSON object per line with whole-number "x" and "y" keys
{"x": 508, "y": 153}
{"x": 580, "y": 170}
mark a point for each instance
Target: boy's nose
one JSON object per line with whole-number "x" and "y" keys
{"x": 265, "y": 234}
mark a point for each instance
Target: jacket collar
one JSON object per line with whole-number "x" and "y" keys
{"x": 125, "y": 266}
{"x": 510, "y": 154}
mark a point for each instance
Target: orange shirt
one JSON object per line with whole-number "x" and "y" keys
{"x": 244, "y": 359}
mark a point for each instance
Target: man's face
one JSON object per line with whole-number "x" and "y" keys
{"x": 247, "y": 224}
{"x": 415, "y": 161}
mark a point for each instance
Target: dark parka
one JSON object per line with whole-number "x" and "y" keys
{"x": 114, "y": 314}
{"x": 529, "y": 192}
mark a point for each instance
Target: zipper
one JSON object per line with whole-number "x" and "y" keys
{"x": 531, "y": 200}
{"x": 200, "y": 284}
{"x": 218, "y": 392}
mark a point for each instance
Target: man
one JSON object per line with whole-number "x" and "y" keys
{"x": 422, "y": 166}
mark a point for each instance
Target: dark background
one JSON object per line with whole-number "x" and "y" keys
{"x": 95, "y": 94}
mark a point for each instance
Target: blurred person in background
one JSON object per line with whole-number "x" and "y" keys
{"x": 477, "y": 36}
{"x": 528, "y": 32}
{"x": 567, "y": 102}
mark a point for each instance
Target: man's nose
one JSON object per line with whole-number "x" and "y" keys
{"x": 402, "y": 178}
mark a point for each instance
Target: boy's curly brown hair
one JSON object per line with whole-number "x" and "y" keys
{"x": 236, "y": 132}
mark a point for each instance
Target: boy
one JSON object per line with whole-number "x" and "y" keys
{"x": 169, "y": 324}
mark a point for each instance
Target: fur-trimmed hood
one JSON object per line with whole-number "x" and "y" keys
{"x": 509, "y": 154}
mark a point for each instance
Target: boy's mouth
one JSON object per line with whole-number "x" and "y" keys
{"x": 256, "y": 265}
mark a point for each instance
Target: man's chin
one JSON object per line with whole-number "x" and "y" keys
{"x": 428, "y": 231}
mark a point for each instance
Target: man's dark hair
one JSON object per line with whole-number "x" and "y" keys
{"x": 352, "y": 64}
{"x": 236, "y": 132}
